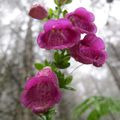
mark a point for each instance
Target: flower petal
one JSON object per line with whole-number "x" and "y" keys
{"x": 91, "y": 40}
{"x": 41, "y": 92}
{"x": 58, "y": 34}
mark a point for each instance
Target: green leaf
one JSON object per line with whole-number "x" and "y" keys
{"x": 64, "y": 13}
{"x": 94, "y": 115}
{"x": 68, "y": 1}
{"x": 100, "y": 106}
{"x": 51, "y": 111}
{"x": 62, "y": 2}
{"x": 56, "y": 2}
{"x": 61, "y": 59}
{"x": 39, "y": 66}
{"x": 60, "y": 76}
{"x": 69, "y": 88}
{"x": 64, "y": 81}
{"x": 83, "y": 107}
{"x": 50, "y": 13}
{"x": 47, "y": 63}
{"x": 62, "y": 65}
{"x": 50, "y": 114}
{"x": 66, "y": 58}
{"x": 56, "y": 56}
{"x": 42, "y": 117}
{"x": 47, "y": 115}
{"x": 68, "y": 80}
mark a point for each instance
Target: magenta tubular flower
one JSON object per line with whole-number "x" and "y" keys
{"x": 58, "y": 34}
{"x": 41, "y": 92}
{"x": 38, "y": 12}
{"x": 90, "y": 50}
{"x": 82, "y": 20}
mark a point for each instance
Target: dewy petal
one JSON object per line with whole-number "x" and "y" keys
{"x": 92, "y": 41}
{"x": 58, "y": 34}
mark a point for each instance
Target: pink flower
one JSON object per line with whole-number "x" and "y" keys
{"x": 82, "y": 20}
{"x": 90, "y": 50}
{"x": 58, "y": 34}
{"x": 38, "y": 12}
{"x": 41, "y": 92}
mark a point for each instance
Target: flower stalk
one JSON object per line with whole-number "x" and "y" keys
{"x": 62, "y": 34}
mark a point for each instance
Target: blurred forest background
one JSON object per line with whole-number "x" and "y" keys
{"x": 19, "y": 51}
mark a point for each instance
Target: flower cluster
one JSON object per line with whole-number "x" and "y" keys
{"x": 65, "y": 34}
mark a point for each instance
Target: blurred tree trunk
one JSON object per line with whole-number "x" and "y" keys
{"x": 115, "y": 74}
{"x": 114, "y": 69}
{"x": 28, "y": 56}
{"x": 64, "y": 111}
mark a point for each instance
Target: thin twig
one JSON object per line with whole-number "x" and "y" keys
{"x": 76, "y": 68}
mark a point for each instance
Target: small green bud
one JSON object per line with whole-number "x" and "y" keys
{"x": 62, "y": 2}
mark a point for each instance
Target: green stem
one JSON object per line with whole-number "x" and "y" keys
{"x": 42, "y": 117}
{"x": 59, "y": 11}
{"x": 47, "y": 118}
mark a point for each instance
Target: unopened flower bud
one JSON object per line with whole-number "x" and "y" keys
{"x": 38, "y": 12}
